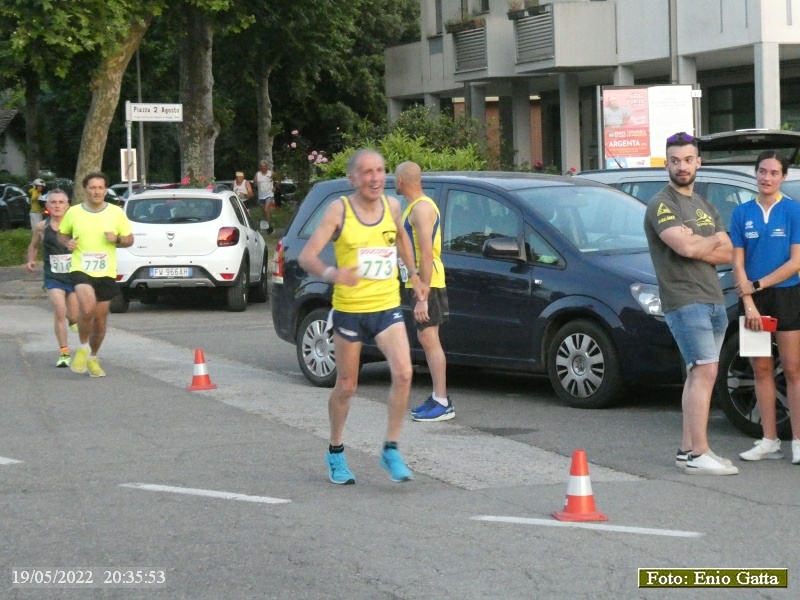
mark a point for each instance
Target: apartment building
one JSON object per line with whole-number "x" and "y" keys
{"x": 539, "y": 65}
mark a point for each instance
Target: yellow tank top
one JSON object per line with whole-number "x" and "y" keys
{"x": 437, "y": 277}
{"x": 373, "y": 248}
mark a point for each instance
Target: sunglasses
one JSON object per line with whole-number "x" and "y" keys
{"x": 680, "y": 137}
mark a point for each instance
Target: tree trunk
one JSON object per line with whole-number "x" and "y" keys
{"x": 264, "y": 113}
{"x": 105, "y": 87}
{"x": 198, "y": 132}
{"x": 33, "y": 150}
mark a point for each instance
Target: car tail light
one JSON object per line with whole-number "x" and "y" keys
{"x": 227, "y": 236}
{"x": 120, "y": 276}
{"x": 277, "y": 260}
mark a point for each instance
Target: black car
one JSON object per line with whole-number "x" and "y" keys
{"x": 14, "y": 206}
{"x": 545, "y": 275}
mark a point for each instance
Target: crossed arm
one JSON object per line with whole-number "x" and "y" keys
{"x": 716, "y": 249}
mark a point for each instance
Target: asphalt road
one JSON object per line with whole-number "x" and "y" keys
{"x": 225, "y": 491}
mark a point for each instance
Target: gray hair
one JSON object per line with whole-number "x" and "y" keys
{"x": 352, "y": 162}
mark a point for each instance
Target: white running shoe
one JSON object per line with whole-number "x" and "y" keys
{"x": 709, "y": 464}
{"x": 763, "y": 448}
{"x": 796, "y": 452}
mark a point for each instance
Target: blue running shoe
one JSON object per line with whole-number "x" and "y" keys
{"x": 425, "y": 405}
{"x": 338, "y": 472}
{"x": 393, "y": 462}
{"x": 436, "y": 412}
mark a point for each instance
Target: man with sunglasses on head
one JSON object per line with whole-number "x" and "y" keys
{"x": 687, "y": 239}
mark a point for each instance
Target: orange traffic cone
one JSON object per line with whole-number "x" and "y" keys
{"x": 579, "y": 505}
{"x": 201, "y": 380}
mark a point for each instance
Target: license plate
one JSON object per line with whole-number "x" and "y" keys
{"x": 171, "y": 272}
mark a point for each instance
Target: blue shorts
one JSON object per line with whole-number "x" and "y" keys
{"x": 699, "y": 329}
{"x": 363, "y": 327}
{"x": 52, "y": 284}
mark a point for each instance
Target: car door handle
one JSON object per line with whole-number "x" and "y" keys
{"x": 538, "y": 281}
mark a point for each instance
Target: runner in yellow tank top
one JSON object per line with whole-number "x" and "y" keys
{"x": 367, "y": 235}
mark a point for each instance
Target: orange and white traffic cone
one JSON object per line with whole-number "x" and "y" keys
{"x": 579, "y": 505}
{"x": 200, "y": 380}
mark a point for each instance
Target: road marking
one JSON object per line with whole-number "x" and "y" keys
{"x": 8, "y": 461}
{"x": 615, "y": 528}
{"x": 209, "y": 493}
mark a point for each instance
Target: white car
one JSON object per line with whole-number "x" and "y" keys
{"x": 191, "y": 239}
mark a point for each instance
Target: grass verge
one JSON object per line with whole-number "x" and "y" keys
{"x": 14, "y": 247}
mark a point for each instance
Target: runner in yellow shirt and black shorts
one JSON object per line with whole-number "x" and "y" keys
{"x": 93, "y": 231}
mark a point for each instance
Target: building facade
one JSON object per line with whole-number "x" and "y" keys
{"x": 742, "y": 55}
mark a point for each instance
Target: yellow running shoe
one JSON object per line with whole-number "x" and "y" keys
{"x": 63, "y": 360}
{"x": 79, "y": 361}
{"x": 73, "y": 327}
{"x": 94, "y": 368}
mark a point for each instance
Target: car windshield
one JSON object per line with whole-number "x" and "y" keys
{"x": 593, "y": 219}
{"x": 791, "y": 187}
{"x": 173, "y": 210}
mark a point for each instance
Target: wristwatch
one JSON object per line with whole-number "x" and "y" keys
{"x": 757, "y": 286}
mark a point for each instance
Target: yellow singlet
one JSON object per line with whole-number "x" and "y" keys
{"x": 437, "y": 277}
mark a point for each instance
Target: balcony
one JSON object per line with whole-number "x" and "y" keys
{"x": 469, "y": 39}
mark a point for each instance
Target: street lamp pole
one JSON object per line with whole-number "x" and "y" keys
{"x": 142, "y": 159}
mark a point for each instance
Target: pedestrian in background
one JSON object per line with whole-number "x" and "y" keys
{"x": 57, "y": 282}
{"x": 766, "y": 259}
{"x": 687, "y": 240}
{"x": 35, "y": 193}
{"x": 242, "y": 188}
{"x": 421, "y": 221}
{"x": 265, "y": 188}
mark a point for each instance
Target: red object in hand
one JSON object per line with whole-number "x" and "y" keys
{"x": 769, "y": 324}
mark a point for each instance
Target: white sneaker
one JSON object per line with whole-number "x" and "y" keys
{"x": 796, "y": 452}
{"x": 709, "y": 464}
{"x": 764, "y": 448}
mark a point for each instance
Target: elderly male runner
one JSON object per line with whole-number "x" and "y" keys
{"x": 57, "y": 281}
{"x": 93, "y": 231}
{"x": 421, "y": 222}
{"x": 367, "y": 233}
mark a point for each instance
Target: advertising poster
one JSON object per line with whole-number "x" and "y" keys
{"x": 638, "y": 119}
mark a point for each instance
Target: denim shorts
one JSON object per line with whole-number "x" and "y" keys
{"x": 699, "y": 330}
{"x": 363, "y": 327}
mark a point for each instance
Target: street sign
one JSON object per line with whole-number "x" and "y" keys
{"x": 147, "y": 111}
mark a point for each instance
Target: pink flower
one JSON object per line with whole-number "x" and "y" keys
{"x": 310, "y": 158}
{"x": 572, "y": 169}
{"x": 295, "y": 132}
{"x": 314, "y": 153}
{"x": 209, "y": 187}
{"x": 293, "y": 145}
{"x": 185, "y": 181}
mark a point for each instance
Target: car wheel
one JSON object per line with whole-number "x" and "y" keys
{"x": 260, "y": 291}
{"x": 5, "y": 222}
{"x": 583, "y": 366}
{"x": 736, "y": 391}
{"x": 236, "y": 295}
{"x": 314, "y": 347}
{"x": 119, "y": 303}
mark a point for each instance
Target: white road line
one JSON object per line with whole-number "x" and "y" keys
{"x": 615, "y": 528}
{"x": 209, "y": 493}
{"x": 8, "y": 461}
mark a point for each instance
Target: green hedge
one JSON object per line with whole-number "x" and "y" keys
{"x": 14, "y": 247}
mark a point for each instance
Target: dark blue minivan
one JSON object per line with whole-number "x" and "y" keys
{"x": 544, "y": 274}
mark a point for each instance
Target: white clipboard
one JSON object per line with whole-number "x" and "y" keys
{"x": 754, "y": 343}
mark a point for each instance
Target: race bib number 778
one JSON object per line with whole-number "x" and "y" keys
{"x": 93, "y": 262}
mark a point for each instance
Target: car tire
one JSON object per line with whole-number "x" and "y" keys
{"x": 260, "y": 291}
{"x": 583, "y": 366}
{"x": 119, "y": 303}
{"x": 735, "y": 391}
{"x": 236, "y": 295}
{"x": 314, "y": 347}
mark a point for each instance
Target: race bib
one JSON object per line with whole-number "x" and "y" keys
{"x": 60, "y": 263}
{"x": 93, "y": 262}
{"x": 377, "y": 263}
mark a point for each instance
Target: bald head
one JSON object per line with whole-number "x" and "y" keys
{"x": 408, "y": 180}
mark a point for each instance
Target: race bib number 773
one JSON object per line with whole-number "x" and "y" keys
{"x": 93, "y": 262}
{"x": 377, "y": 263}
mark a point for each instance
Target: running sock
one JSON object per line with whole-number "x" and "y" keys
{"x": 443, "y": 401}
{"x": 390, "y": 446}
{"x": 64, "y": 349}
{"x": 336, "y": 449}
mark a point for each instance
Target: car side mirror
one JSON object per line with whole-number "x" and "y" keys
{"x": 503, "y": 247}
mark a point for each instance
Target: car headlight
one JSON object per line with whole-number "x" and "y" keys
{"x": 648, "y": 298}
